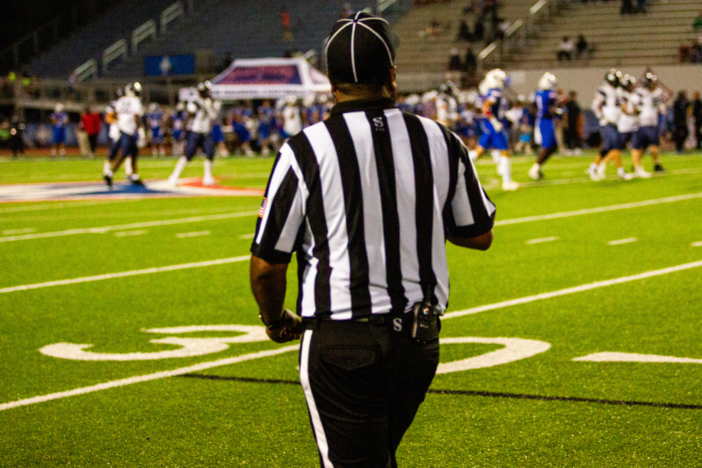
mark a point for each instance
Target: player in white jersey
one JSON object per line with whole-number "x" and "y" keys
{"x": 607, "y": 108}
{"x": 650, "y": 103}
{"x": 446, "y": 106}
{"x": 129, "y": 122}
{"x": 292, "y": 121}
{"x": 628, "y": 118}
{"x": 202, "y": 112}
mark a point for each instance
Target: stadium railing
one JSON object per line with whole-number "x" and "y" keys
{"x": 519, "y": 32}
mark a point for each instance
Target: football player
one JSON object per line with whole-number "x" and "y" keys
{"x": 629, "y": 118}
{"x": 59, "y": 119}
{"x": 178, "y": 119}
{"x": 607, "y": 108}
{"x": 155, "y": 120}
{"x": 546, "y": 100}
{"x": 292, "y": 121}
{"x": 651, "y": 106}
{"x": 493, "y": 127}
{"x": 202, "y": 112}
{"x": 129, "y": 122}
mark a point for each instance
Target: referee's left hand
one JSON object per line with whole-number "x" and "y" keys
{"x": 291, "y": 330}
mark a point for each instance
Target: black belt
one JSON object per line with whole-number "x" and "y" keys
{"x": 380, "y": 320}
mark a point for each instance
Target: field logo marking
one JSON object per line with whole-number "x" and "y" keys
{"x": 633, "y": 357}
{"x": 515, "y": 349}
{"x": 190, "y": 347}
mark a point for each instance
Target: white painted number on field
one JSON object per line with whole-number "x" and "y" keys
{"x": 188, "y": 346}
{"x": 515, "y": 349}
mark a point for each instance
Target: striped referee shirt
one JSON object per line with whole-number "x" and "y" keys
{"x": 365, "y": 199}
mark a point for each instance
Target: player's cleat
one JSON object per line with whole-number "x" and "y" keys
{"x": 136, "y": 181}
{"x": 658, "y": 169}
{"x": 108, "y": 181}
{"x": 625, "y": 176}
{"x": 641, "y": 173}
{"x": 208, "y": 180}
{"x": 510, "y": 186}
{"x": 172, "y": 182}
{"x": 593, "y": 174}
{"x": 535, "y": 173}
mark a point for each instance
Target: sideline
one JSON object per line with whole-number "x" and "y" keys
{"x": 224, "y": 362}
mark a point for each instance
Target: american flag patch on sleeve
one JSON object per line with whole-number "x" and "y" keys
{"x": 262, "y": 210}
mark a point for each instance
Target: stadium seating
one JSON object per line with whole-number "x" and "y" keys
{"x": 651, "y": 38}
{"x": 89, "y": 43}
{"x": 431, "y": 54}
{"x": 245, "y": 30}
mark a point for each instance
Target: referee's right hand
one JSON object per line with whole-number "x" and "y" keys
{"x": 291, "y": 329}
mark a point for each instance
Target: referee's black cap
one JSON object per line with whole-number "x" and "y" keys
{"x": 360, "y": 49}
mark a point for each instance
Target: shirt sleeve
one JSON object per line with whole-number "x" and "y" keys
{"x": 282, "y": 212}
{"x": 470, "y": 212}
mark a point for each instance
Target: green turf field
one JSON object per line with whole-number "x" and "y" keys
{"x": 577, "y": 268}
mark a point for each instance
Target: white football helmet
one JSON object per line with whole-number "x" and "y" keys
{"x": 58, "y": 108}
{"x": 133, "y": 89}
{"x": 547, "y": 81}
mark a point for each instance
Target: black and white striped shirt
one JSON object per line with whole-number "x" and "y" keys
{"x": 365, "y": 198}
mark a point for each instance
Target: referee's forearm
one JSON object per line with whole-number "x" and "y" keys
{"x": 268, "y": 283}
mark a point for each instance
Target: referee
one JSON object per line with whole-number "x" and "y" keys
{"x": 367, "y": 200}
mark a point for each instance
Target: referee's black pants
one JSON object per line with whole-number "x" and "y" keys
{"x": 363, "y": 384}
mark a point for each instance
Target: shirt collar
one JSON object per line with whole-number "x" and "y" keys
{"x": 363, "y": 105}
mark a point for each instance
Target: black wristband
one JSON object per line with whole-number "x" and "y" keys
{"x": 278, "y": 323}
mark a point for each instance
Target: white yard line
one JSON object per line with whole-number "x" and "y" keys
{"x": 131, "y": 233}
{"x": 195, "y": 219}
{"x": 247, "y": 236}
{"x": 185, "y": 235}
{"x": 125, "y": 227}
{"x": 601, "y": 209}
{"x": 576, "y": 289}
{"x": 53, "y": 206}
{"x": 129, "y": 214}
{"x": 17, "y": 231}
{"x": 246, "y": 357}
{"x": 696, "y": 244}
{"x": 628, "y": 240}
{"x": 124, "y": 274}
{"x": 146, "y": 378}
{"x": 542, "y": 240}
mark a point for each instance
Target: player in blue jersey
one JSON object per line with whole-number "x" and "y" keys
{"x": 154, "y": 118}
{"x": 266, "y": 127}
{"x": 178, "y": 135}
{"x": 546, "y": 100}
{"x": 59, "y": 119}
{"x": 493, "y": 127}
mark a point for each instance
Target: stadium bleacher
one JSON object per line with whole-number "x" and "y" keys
{"x": 90, "y": 41}
{"x": 424, "y": 54}
{"x": 651, "y": 38}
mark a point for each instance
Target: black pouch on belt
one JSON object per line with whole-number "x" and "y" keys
{"x": 425, "y": 320}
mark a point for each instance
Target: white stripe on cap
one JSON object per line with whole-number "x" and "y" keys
{"x": 353, "y": 51}
{"x": 381, "y": 40}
